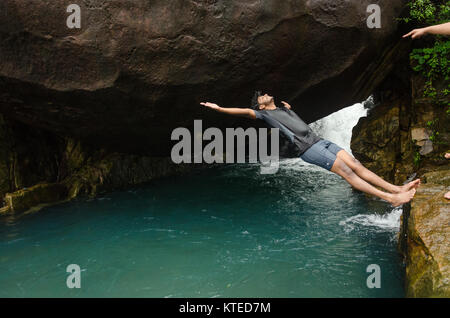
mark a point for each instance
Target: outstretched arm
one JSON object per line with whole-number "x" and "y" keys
{"x": 241, "y": 112}
{"x": 435, "y": 29}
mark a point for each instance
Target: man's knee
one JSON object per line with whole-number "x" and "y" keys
{"x": 342, "y": 168}
{"x": 357, "y": 165}
{"x": 351, "y": 161}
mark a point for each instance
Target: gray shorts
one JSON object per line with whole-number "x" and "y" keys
{"x": 322, "y": 153}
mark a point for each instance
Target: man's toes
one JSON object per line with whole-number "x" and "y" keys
{"x": 414, "y": 184}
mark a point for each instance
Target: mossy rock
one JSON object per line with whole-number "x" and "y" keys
{"x": 426, "y": 235}
{"x": 28, "y": 198}
{"x": 439, "y": 177}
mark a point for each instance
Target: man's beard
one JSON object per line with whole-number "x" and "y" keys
{"x": 270, "y": 101}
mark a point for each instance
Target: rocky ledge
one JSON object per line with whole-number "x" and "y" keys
{"x": 38, "y": 169}
{"x": 425, "y": 236}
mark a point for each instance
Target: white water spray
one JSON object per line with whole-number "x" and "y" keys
{"x": 388, "y": 222}
{"x": 338, "y": 126}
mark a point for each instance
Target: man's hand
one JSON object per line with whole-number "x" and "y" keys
{"x": 241, "y": 112}
{"x": 286, "y": 105}
{"x": 416, "y": 33}
{"x": 211, "y": 105}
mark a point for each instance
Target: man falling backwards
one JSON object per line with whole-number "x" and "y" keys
{"x": 318, "y": 151}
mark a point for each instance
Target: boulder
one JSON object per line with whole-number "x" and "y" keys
{"x": 136, "y": 70}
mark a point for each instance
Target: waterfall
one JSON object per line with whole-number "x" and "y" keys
{"x": 338, "y": 126}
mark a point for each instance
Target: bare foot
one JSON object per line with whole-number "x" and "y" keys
{"x": 402, "y": 198}
{"x": 412, "y": 185}
{"x": 447, "y": 195}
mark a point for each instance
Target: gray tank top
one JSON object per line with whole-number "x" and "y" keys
{"x": 291, "y": 126}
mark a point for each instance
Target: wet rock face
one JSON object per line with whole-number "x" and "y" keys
{"x": 138, "y": 69}
{"x": 376, "y": 140}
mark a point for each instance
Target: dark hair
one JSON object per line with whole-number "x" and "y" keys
{"x": 255, "y": 104}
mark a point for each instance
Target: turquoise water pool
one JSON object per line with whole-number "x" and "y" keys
{"x": 221, "y": 232}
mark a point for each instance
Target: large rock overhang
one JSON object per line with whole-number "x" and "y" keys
{"x": 136, "y": 70}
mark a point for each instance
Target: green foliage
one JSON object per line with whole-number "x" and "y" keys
{"x": 417, "y": 159}
{"x": 433, "y": 125}
{"x": 432, "y": 62}
{"x": 428, "y": 12}
{"x": 421, "y": 11}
